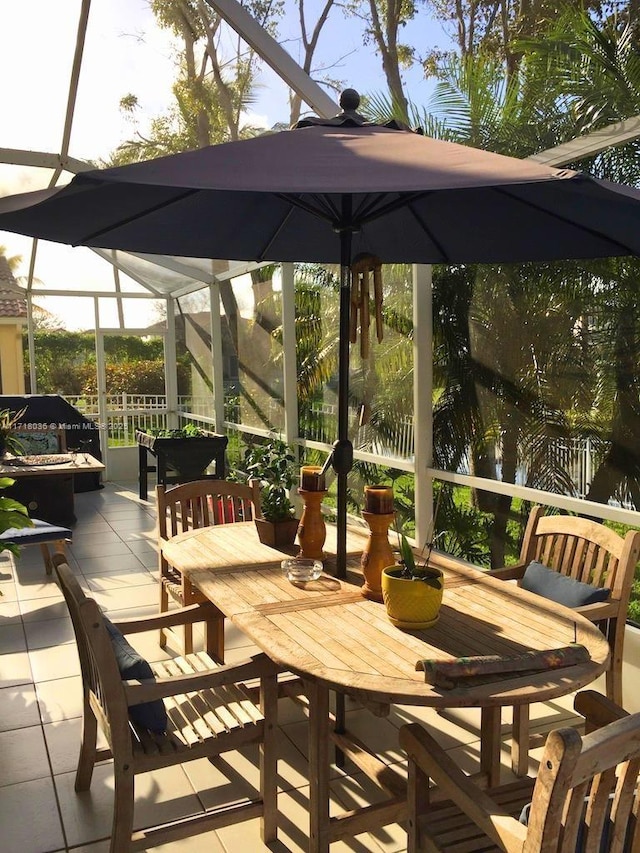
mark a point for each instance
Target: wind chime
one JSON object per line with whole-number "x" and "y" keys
{"x": 361, "y": 267}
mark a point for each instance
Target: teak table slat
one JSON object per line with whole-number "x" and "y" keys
{"x": 326, "y": 632}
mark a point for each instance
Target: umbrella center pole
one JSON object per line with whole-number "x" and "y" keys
{"x": 343, "y": 449}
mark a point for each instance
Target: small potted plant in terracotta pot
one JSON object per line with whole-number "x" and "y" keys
{"x": 412, "y": 593}
{"x": 273, "y": 465}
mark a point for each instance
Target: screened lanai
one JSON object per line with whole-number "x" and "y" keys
{"x": 230, "y": 332}
{"x": 488, "y": 389}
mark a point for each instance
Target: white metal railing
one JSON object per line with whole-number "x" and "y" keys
{"x": 322, "y": 425}
{"x": 125, "y": 413}
{"x": 128, "y": 412}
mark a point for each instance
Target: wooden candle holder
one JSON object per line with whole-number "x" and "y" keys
{"x": 377, "y": 553}
{"x": 311, "y": 530}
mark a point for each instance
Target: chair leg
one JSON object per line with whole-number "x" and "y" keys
{"x": 187, "y": 599}
{"x": 164, "y": 606}
{"x": 613, "y": 676}
{"x": 188, "y": 640}
{"x": 122, "y": 827}
{"x": 417, "y": 801}
{"x": 58, "y": 547}
{"x": 46, "y": 556}
{"x": 520, "y": 740}
{"x": 87, "y": 758}
{"x": 214, "y": 638}
{"x": 268, "y": 759}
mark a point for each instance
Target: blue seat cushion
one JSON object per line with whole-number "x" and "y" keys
{"x": 42, "y": 531}
{"x": 557, "y": 587}
{"x": 133, "y": 667}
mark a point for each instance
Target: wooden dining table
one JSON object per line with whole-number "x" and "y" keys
{"x": 335, "y": 639}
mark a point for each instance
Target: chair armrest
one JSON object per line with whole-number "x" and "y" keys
{"x": 183, "y": 616}
{"x": 597, "y": 710}
{"x": 508, "y": 573}
{"x": 600, "y": 610}
{"x": 259, "y": 666}
{"x": 497, "y": 824}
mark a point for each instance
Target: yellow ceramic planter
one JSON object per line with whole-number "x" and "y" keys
{"x": 411, "y": 603}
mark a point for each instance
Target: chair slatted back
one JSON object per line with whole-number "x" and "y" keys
{"x": 586, "y": 791}
{"x": 204, "y": 503}
{"x": 101, "y": 680}
{"x": 191, "y": 506}
{"x": 584, "y": 550}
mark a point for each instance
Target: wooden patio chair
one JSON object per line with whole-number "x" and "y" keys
{"x": 190, "y": 506}
{"x": 207, "y": 710}
{"x": 583, "y": 799}
{"x": 584, "y": 552}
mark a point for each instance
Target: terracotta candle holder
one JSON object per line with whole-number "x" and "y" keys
{"x": 311, "y": 530}
{"x": 377, "y": 554}
{"x": 378, "y": 499}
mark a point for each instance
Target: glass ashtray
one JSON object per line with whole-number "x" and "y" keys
{"x": 301, "y": 569}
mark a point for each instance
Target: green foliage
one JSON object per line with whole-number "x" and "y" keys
{"x": 634, "y": 604}
{"x": 414, "y": 572}
{"x": 213, "y": 89}
{"x": 135, "y": 377}
{"x": 12, "y": 515}
{"x": 273, "y": 464}
{"x": 66, "y": 364}
{"x": 8, "y": 421}
{"x": 187, "y": 431}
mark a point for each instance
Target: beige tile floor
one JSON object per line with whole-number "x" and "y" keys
{"x": 114, "y": 555}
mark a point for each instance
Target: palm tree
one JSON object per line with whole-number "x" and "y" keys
{"x": 494, "y": 411}
{"x": 14, "y": 261}
{"x": 599, "y": 69}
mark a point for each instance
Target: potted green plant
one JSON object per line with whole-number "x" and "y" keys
{"x": 412, "y": 593}
{"x": 8, "y": 422}
{"x": 13, "y": 515}
{"x": 272, "y": 463}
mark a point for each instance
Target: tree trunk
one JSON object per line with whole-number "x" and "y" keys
{"x": 386, "y": 38}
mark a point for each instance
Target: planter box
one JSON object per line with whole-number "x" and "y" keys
{"x": 180, "y": 460}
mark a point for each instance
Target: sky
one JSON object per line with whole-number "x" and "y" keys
{"x": 126, "y": 52}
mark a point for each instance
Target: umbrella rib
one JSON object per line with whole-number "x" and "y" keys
{"x": 102, "y": 231}
{"x": 402, "y": 200}
{"x": 325, "y": 203}
{"x": 600, "y": 234}
{"x": 430, "y": 234}
{"x": 367, "y": 205}
{"x": 275, "y": 233}
{"x": 323, "y": 211}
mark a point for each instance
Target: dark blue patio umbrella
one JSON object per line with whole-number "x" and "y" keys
{"x": 327, "y": 192}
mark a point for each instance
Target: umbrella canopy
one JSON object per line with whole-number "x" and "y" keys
{"x": 327, "y": 192}
{"x": 281, "y": 197}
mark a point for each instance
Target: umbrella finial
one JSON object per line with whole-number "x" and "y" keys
{"x": 349, "y": 100}
{"x": 349, "y": 117}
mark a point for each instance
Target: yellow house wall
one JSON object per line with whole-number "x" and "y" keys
{"x": 11, "y": 358}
